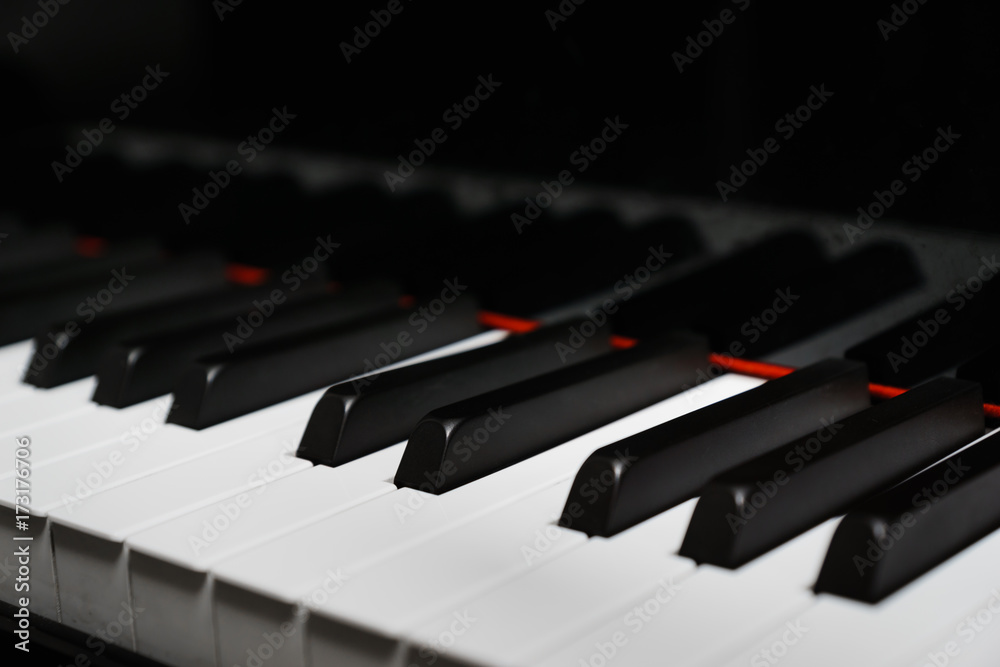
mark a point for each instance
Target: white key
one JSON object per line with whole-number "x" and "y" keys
{"x": 535, "y": 614}
{"x": 90, "y": 555}
{"x": 27, "y": 411}
{"x": 14, "y": 358}
{"x": 712, "y": 615}
{"x": 82, "y": 432}
{"x": 168, "y": 564}
{"x": 375, "y": 607}
{"x": 846, "y": 632}
{"x": 74, "y": 479}
{"x": 261, "y": 586}
{"x": 974, "y": 641}
{"x": 161, "y": 446}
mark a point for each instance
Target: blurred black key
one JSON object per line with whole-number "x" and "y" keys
{"x": 921, "y": 347}
{"x": 589, "y": 255}
{"x": 813, "y": 300}
{"x": 149, "y": 366}
{"x": 984, "y": 368}
{"x": 721, "y": 284}
{"x": 122, "y": 287}
{"x": 71, "y": 350}
{"x": 355, "y": 418}
{"x": 464, "y": 441}
{"x": 761, "y": 504}
{"x": 21, "y": 249}
{"x": 897, "y": 536}
{"x": 66, "y": 273}
{"x": 670, "y": 463}
{"x": 225, "y": 386}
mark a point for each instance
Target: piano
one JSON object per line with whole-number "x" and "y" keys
{"x": 494, "y": 386}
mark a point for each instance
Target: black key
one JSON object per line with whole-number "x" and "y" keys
{"x": 751, "y": 509}
{"x": 355, "y": 418}
{"x": 144, "y": 368}
{"x": 71, "y": 350}
{"x": 66, "y": 273}
{"x": 20, "y": 249}
{"x": 671, "y": 462}
{"x": 984, "y": 368}
{"x": 225, "y": 386}
{"x": 717, "y": 285}
{"x": 125, "y": 286}
{"x": 553, "y": 261}
{"x": 464, "y": 441}
{"x": 779, "y": 315}
{"x": 897, "y": 536}
{"x": 921, "y": 347}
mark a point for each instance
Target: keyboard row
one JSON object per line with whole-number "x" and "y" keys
{"x": 493, "y": 499}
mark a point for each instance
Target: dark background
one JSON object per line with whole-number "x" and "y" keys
{"x": 606, "y": 59}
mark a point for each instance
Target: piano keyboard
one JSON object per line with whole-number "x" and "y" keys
{"x": 597, "y": 444}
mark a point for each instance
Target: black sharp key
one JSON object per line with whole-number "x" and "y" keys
{"x": 71, "y": 350}
{"x": 720, "y": 284}
{"x": 123, "y": 287}
{"x": 749, "y": 510}
{"x": 355, "y": 418}
{"x": 144, "y": 368}
{"x": 467, "y": 440}
{"x": 670, "y": 463}
{"x": 812, "y": 300}
{"x": 984, "y": 368}
{"x": 893, "y": 538}
{"x": 66, "y": 272}
{"x": 935, "y": 340}
{"x": 22, "y": 249}
{"x": 225, "y": 386}
{"x": 560, "y": 260}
